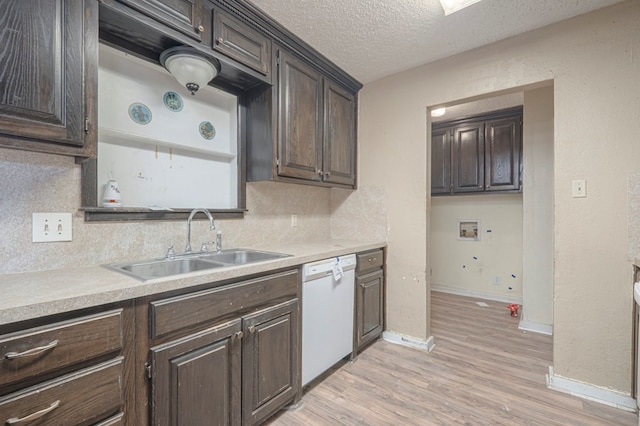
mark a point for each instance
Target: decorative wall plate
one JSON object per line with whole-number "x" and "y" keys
{"x": 207, "y": 130}
{"x": 140, "y": 113}
{"x": 173, "y": 101}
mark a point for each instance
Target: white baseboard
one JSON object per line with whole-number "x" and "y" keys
{"x": 413, "y": 342}
{"x": 477, "y": 294}
{"x": 536, "y": 327}
{"x": 590, "y": 392}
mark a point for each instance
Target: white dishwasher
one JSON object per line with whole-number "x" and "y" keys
{"x": 327, "y": 314}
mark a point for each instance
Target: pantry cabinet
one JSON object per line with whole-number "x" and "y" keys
{"x": 479, "y": 154}
{"x": 48, "y": 76}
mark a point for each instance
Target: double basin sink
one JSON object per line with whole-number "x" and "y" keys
{"x": 184, "y": 264}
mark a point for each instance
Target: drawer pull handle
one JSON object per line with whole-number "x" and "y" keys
{"x": 33, "y": 416}
{"x": 363, "y": 285}
{"x": 372, "y": 259}
{"x": 31, "y": 352}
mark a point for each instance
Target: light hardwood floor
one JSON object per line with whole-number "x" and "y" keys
{"x": 483, "y": 371}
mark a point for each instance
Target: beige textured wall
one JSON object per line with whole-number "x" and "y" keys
{"x": 472, "y": 266}
{"x": 35, "y": 182}
{"x": 593, "y": 62}
{"x": 537, "y": 201}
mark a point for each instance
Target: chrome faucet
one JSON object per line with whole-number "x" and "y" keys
{"x": 212, "y": 226}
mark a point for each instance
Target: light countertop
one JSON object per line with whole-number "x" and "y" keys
{"x": 31, "y": 295}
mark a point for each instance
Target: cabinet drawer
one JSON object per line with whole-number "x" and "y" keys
{"x": 369, "y": 260}
{"x": 117, "y": 420}
{"x": 38, "y": 350}
{"x": 82, "y": 397}
{"x": 175, "y": 313}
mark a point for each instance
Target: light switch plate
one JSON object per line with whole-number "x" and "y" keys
{"x": 48, "y": 227}
{"x": 579, "y": 188}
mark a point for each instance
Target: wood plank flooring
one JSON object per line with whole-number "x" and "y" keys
{"x": 483, "y": 371}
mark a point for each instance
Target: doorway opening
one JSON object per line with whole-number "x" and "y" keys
{"x": 511, "y": 258}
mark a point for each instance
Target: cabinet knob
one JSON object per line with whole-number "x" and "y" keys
{"x": 239, "y": 334}
{"x": 327, "y": 175}
{"x": 480, "y": 186}
{"x": 372, "y": 259}
{"x": 219, "y": 40}
{"x": 200, "y": 28}
{"x": 252, "y": 329}
{"x": 319, "y": 172}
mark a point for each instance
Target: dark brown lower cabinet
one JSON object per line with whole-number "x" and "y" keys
{"x": 196, "y": 379}
{"x": 269, "y": 360}
{"x": 227, "y": 355}
{"x": 369, "y": 307}
{"x": 238, "y": 372}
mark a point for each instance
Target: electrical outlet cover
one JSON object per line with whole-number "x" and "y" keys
{"x": 49, "y": 227}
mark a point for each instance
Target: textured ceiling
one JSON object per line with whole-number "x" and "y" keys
{"x": 371, "y": 39}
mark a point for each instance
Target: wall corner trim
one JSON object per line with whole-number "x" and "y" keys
{"x": 413, "y": 342}
{"x": 591, "y": 392}
{"x": 536, "y": 327}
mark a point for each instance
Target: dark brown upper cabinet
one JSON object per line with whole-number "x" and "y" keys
{"x": 339, "y": 135}
{"x": 186, "y": 16}
{"x": 241, "y": 42}
{"x": 48, "y": 69}
{"x": 503, "y": 144}
{"x": 314, "y": 140}
{"x": 441, "y": 161}
{"x": 468, "y": 158}
{"x": 477, "y": 154}
{"x": 300, "y": 119}
{"x": 316, "y": 134}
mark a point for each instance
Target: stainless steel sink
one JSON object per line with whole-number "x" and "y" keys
{"x": 184, "y": 264}
{"x": 242, "y": 256}
{"x": 147, "y": 270}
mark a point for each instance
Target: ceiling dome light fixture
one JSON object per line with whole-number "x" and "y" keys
{"x": 191, "y": 68}
{"x": 438, "y": 112}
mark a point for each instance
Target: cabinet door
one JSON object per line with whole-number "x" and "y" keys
{"x": 196, "y": 379}
{"x": 185, "y": 16}
{"x": 441, "y": 161}
{"x": 339, "y": 135}
{"x": 369, "y": 307}
{"x": 502, "y": 154}
{"x": 468, "y": 158}
{"x": 241, "y": 42}
{"x": 300, "y": 124}
{"x": 43, "y": 66}
{"x": 270, "y": 367}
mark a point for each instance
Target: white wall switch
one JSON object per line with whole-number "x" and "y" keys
{"x": 579, "y": 188}
{"x": 49, "y": 227}
{"x": 294, "y": 220}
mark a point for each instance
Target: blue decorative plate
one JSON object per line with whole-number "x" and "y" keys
{"x": 140, "y": 113}
{"x": 207, "y": 130}
{"x": 173, "y": 101}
